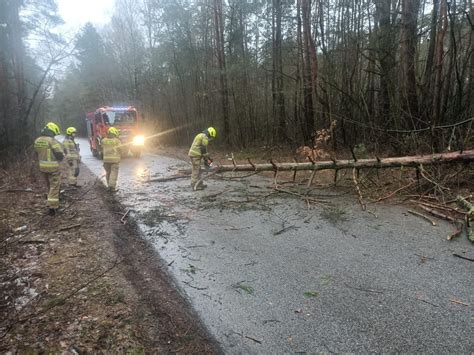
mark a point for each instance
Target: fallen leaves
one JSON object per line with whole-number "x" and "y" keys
{"x": 309, "y": 294}
{"x": 246, "y": 288}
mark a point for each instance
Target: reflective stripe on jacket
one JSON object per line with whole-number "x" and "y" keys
{"x": 199, "y": 147}
{"x": 45, "y": 147}
{"x": 70, "y": 148}
{"x": 111, "y": 147}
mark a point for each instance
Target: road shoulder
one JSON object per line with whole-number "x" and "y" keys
{"x": 85, "y": 280}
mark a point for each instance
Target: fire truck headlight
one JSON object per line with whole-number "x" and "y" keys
{"x": 139, "y": 140}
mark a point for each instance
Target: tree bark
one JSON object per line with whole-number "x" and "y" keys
{"x": 408, "y": 52}
{"x": 427, "y": 98}
{"x": 438, "y": 83}
{"x": 407, "y": 161}
{"x": 219, "y": 29}
{"x": 278, "y": 95}
{"x": 307, "y": 77}
{"x": 385, "y": 55}
{"x": 470, "y": 89}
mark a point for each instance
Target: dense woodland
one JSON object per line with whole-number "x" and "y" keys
{"x": 394, "y": 75}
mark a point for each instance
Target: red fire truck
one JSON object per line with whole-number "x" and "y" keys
{"x": 125, "y": 119}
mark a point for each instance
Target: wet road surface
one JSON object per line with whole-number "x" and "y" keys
{"x": 267, "y": 275}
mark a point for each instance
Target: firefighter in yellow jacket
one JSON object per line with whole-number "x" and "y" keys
{"x": 111, "y": 150}
{"x": 73, "y": 158}
{"x": 50, "y": 153}
{"x": 198, "y": 152}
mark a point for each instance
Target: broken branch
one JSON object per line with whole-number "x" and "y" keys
{"x": 433, "y": 223}
{"x": 437, "y": 214}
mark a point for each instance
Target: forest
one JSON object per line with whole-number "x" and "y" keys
{"x": 394, "y": 75}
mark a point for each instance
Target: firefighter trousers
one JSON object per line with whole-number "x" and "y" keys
{"x": 196, "y": 170}
{"x": 73, "y": 171}
{"x": 111, "y": 174}
{"x": 53, "y": 182}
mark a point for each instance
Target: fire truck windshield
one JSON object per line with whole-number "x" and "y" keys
{"x": 122, "y": 117}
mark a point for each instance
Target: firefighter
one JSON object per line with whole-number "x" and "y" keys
{"x": 198, "y": 152}
{"x": 71, "y": 149}
{"x": 50, "y": 153}
{"x": 111, "y": 148}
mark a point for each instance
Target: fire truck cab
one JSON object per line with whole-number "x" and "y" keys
{"x": 125, "y": 119}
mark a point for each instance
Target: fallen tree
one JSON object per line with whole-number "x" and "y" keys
{"x": 407, "y": 161}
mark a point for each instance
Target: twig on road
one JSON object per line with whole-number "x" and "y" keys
{"x": 248, "y": 337}
{"x": 455, "y": 301}
{"x": 124, "y": 216}
{"x": 462, "y": 257}
{"x": 433, "y": 223}
{"x": 427, "y": 302}
{"x": 285, "y": 229}
{"x": 364, "y": 289}
{"x": 306, "y": 198}
{"x": 437, "y": 214}
{"x": 217, "y": 193}
{"x": 394, "y": 192}
{"x": 196, "y": 288}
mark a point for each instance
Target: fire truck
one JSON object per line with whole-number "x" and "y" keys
{"x": 125, "y": 119}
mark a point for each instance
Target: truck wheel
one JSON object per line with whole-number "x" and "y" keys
{"x": 101, "y": 154}
{"x": 94, "y": 152}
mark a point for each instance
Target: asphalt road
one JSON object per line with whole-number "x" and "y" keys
{"x": 267, "y": 275}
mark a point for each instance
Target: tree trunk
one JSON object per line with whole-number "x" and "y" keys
{"x": 307, "y": 77}
{"x": 386, "y": 57}
{"x": 438, "y": 83}
{"x": 219, "y": 29}
{"x": 430, "y": 56}
{"x": 407, "y": 161}
{"x": 21, "y": 129}
{"x": 470, "y": 88}
{"x": 278, "y": 95}
{"x": 408, "y": 53}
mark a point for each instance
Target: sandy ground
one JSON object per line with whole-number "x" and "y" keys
{"x": 269, "y": 273}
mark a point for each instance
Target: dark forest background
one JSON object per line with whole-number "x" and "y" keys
{"x": 394, "y": 75}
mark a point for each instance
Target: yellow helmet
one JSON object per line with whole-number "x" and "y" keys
{"x": 114, "y": 131}
{"x": 53, "y": 127}
{"x": 70, "y": 131}
{"x": 212, "y": 132}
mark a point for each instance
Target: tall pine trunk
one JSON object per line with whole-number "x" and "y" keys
{"x": 278, "y": 95}
{"x": 438, "y": 79}
{"x": 307, "y": 76}
{"x": 219, "y": 29}
{"x": 408, "y": 54}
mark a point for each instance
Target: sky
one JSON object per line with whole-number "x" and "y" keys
{"x": 76, "y": 13}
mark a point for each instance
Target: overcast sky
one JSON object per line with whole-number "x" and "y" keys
{"x": 76, "y": 13}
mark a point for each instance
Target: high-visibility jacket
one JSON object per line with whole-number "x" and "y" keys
{"x": 70, "y": 148}
{"x": 199, "y": 147}
{"x": 111, "y": 148}
{"x": 46, "y": 147}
